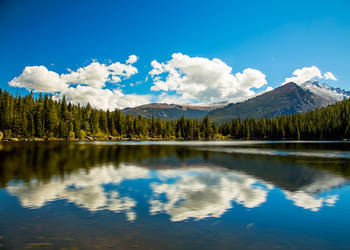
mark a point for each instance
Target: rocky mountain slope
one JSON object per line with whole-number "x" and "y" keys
{"x": 287, "y": 99}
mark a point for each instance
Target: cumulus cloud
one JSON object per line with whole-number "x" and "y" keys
{"x": 39, "y": 79}
{"x": 202, "y": 79}
{"x": 251, "y": 78}
{"x": 96, "y": 75}
{"x": 307, "y": 73}
{"x": 132, "y": 59}
{"x": 183, "y": 79}
{"x": 102, "y": 98}
{"x": 85, "y": 85}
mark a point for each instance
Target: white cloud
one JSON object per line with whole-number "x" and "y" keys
{"x": 96, "y": 75}
{"x": 102, "y": 98}
{"x": 132, "y": 59}
{"x": 307, "y": 73}
{"x": 204, "y": 80}
{"x": 119, "y": 70}
{"x": 39, "y": 79}
{"x": 85, "y": 85}
{"x": 251, "y": 78}
{"x": 183, "y": 79}
{"x": 304, "y": 74}
{"x": 330, "y": 76}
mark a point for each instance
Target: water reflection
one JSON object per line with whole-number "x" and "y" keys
{"x": 260, "y": 151}
{"x": 194, "y": 191}
{"x": 83, "y": 188}
{"x": 235, "y": 195}
{"x": 309, "y": 201}
{"x": 190, "y": 193}
{"x": 205, "y": 192}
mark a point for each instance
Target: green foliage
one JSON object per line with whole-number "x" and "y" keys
{"x": 332, "y": 122}
{"x": 43, "y": 117}
{"x": 81, "y": 134}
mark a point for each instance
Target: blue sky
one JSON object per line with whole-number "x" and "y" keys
{"x": 273, "y": 37}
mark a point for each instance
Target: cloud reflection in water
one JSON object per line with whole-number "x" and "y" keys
{"x": 205, "y": 192}
{"x": 182, "y": 193}
{"x": 85, "y": 189}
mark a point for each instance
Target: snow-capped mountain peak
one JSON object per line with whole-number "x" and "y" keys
{"x": 328, "y": 92}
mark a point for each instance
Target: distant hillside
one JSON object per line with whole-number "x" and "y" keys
{"x": 169, "y": 111}
{"x": 287, "y": 99}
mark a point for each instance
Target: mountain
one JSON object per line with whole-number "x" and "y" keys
{"x": 170, "y": 111}
{"x": 287, "y": 99}
{"x": 332, "y": 94}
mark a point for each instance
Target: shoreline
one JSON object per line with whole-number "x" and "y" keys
{"x": 166, "y": 140}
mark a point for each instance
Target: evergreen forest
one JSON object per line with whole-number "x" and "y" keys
{"x": 43, "y": 117}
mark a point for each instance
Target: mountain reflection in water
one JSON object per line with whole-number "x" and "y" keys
{"x": 184, "y": 183}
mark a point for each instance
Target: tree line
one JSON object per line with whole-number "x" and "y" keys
{"x": 24, "y": 162}
{"x": 44, "y": 117}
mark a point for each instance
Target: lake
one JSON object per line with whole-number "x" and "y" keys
{"x": 175, "y": 195}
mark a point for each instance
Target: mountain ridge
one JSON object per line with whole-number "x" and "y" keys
{"x": 169, "y": 111}
{"x": 287, "y": 99}
{"x": 290, "y": 98}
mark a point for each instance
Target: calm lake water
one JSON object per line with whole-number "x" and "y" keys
{"x": 166, "y": 195}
